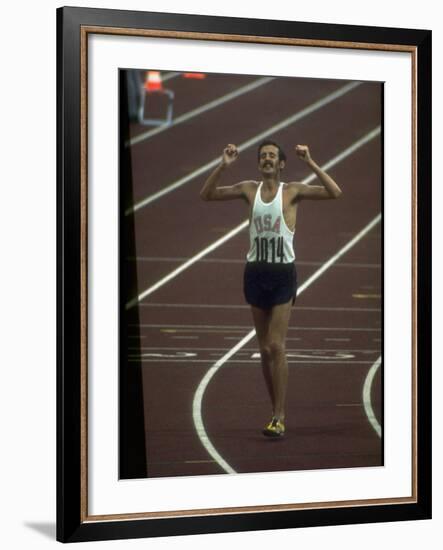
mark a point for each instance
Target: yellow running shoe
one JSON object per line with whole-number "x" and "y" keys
{"x": 275, "y": 428}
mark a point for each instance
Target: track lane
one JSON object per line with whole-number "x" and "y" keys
{"x": 183, "y": 207}
{"x": 202, "y": 139}
{"x": 315, "y": 220}
{"x": 354, "y": 442}
{"x": 212, "y": 335}
{"x": 171, "y": 379}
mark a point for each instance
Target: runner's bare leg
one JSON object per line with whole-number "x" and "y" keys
{"x": 276, "y": 342}
{"x": 271, "y": 327}
{"x": 261, "y": 322}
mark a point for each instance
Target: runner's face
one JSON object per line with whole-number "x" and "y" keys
{"x": 268, "y": 161}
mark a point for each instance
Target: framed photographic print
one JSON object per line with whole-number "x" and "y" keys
{"x": 244, "y": 274}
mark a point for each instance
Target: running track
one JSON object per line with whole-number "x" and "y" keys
{"x": 190, "y": 324}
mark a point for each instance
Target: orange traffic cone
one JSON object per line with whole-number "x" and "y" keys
{"x": 153, "y": 81}
{"x": 195, "y": 76}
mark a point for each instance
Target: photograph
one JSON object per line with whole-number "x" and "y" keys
{"x": 251, "y": 273}
{"x": 221, "y": 233}
{"x": 244, "y": 258}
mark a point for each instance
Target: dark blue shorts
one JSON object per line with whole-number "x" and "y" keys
{"x": 266, "y": 285}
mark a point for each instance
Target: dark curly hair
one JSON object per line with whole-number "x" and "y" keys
{"x": 281, "y": 153}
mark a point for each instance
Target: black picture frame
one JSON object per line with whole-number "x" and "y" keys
{"x": 73, "y": 522}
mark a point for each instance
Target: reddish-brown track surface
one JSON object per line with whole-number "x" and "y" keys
{"x": 190, "y": 322}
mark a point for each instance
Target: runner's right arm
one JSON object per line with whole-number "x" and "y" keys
{"x": 210, "y": 191}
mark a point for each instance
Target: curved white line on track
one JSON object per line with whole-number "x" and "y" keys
{"x": 245, "y": 145}
{"x": 202, "y": 109}
{"x": 197, "y": 406}
{"x": 367, "y": 397}
{"x": 198, "y": 397}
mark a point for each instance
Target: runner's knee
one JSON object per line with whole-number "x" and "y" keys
{"x": 277, "y": 348}
{"x": 265, "y": 352}
{"x": 272, "y": 349}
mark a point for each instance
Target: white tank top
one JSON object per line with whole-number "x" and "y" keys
{"x": 270, "y": 239}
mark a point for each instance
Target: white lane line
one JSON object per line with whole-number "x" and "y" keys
{"x": 367, "y": 397}
{"x": 198, "y": 397}
{"x": 197, "y": 404}
{"x": 170, "y": 76}
{"x": 239, "y": 261}
{"x": 195, "y": 306}
{"x": 247, "y": 351}
{"x": 239, "y": 306}
{"x": 364, "y": 309}
{"x": 349, "y": 151}
{"x": 245, "y": 145}
{"x": 168, "y": 349}
{"x": 251, "y": 362}
{"x": 202, "y": 109}
{"x": 332, "y": 162}
{"x": 185, "y": 266}
{"x": 240, "y": 328}
{"x": 236, "y": 338}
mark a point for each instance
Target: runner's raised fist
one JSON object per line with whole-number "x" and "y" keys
{"x": 230, "y": 154}
{"x": 303, "y": 153}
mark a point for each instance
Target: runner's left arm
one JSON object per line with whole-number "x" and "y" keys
{"x": 329, "y": 189}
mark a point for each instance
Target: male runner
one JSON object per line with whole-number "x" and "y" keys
{"x": 270, "y": 281}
